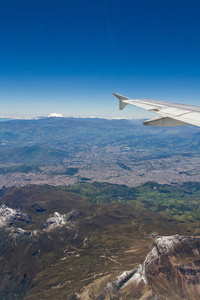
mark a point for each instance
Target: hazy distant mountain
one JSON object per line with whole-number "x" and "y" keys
{"x": 115, "y": 151}
{"x": 5, "y": 119}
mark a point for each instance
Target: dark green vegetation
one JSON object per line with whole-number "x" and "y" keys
{"x": 107, "y": 236}
{"x": 20, "y": 169}
{"x": 67, "y": 171}
{"x": 176, "y": 203}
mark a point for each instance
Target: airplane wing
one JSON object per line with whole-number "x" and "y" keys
{"x": 170, "y": 114}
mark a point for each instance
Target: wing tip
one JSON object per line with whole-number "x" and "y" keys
{"x": 121, "y": 98}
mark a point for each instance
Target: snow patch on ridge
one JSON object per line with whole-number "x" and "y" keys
{"x": 163, "y": 245}
{"x": 55, "y": 115}
{"x": 21, "y": 232}
{"x": 55, "y": 221}
{"x": 58, "y": 220}
{"x": 168, "y": 243}
{"x": 139, "y": 275}
{"x": 7, "y": 215}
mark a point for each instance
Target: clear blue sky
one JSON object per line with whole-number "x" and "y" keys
{"x": 68, "y": 56}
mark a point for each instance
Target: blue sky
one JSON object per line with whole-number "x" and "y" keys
{"x": 69, "y": 56}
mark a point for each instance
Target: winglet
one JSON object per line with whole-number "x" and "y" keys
{"x": 121, "y": 98}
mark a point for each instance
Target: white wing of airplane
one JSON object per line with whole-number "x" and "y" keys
{"x": 170, "y": 114}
